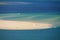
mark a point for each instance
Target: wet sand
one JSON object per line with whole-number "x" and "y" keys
{"x": 22, "y": 25}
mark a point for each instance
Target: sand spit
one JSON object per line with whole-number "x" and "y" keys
{"x": 22, "y": 25}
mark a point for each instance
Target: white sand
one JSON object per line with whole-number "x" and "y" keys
{"x": 21, "y": 25}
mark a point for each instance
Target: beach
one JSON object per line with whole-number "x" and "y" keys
{"x": 22, "y": 25}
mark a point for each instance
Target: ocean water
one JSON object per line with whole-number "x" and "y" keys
{"x": 41, "y": 11}
{"x": 52, "y": 18}
{"x": 39, "y": 34}
{"x": 45, "y": 34}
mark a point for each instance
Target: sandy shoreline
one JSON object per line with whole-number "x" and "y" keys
{"x": 21, "y": 25}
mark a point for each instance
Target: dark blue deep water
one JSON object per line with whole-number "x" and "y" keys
{"x": 45, "y": 34}
{"x": 34, "y": 6}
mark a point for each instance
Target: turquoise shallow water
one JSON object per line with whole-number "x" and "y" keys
{"x": 53, "y": 18}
